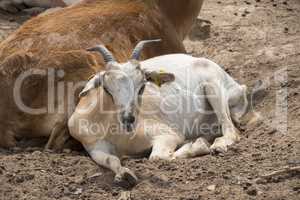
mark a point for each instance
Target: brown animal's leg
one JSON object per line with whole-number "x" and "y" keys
{"x": 7, "y": 139}
{"x": 193, "y": 149}
{"x": 103, "y": 153}
{"x": 59, "y": 136}
{"x": 217, "y": 99}
{"x": 61, "y": 140}
{"x": 182, "y": 14}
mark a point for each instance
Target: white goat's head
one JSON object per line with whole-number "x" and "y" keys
{"x": 125, "y": 83}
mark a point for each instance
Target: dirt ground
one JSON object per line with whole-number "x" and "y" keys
{"x": 253, "y": 39}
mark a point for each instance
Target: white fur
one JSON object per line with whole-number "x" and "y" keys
{"x": 202, "y": 93}
{"x": 190, "y": 73}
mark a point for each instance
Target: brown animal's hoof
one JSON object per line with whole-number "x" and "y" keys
{"x": 125, "y": 178}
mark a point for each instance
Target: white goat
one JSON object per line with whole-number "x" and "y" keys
{"x": 161, "y": 103}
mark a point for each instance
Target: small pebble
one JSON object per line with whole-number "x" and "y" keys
{"x": 95, "y": 175}
{"x": 67, "y": 151}
{"x": 36, "y": 153}
{"x": 252, "y": 191}
{"x": 115, "y": 193}
{"x": 78, "y": 191}
{"x": 211, "y": 187}
{"x": 11, "y": 20}
{"x": 272, "y": 131}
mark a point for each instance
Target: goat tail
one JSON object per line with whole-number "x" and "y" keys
{"x": 254, "y": 96}
{"x": 257, "y": 93}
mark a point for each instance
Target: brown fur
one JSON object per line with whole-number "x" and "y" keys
{"x": 57, "y": 41}
{"x": 175, "y": 10}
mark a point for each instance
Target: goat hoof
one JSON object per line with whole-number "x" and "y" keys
{"x": 219, "y": 146}
{"x": 218, "y": 151}
{"x": 126, "y": 178}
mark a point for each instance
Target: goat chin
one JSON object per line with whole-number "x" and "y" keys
{"x": 129, "y": 128}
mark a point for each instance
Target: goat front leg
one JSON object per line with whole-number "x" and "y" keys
{"x": 103, "y": 153}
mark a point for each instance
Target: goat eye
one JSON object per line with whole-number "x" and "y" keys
{"x": 141, "y": 91}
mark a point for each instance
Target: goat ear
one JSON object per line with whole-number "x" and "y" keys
{"x": 159, "y": 77}
{"x": 93, "y": 83}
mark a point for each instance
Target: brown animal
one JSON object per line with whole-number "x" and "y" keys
{"x": 50, "y": 48}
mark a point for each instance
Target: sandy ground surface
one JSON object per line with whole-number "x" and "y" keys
{"x": 253, "y": 39}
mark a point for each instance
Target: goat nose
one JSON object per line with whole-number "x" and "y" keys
{"x": 129, "y": 120}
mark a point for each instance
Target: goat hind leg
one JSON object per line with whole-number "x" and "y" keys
{"x": 217, "y": 98}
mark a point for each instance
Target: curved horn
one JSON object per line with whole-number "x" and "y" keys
{"x": 107, "y": 55}
{"x": 136, "y": 53}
